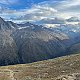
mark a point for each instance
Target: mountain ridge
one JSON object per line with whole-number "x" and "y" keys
{"x": 30, "y": 43}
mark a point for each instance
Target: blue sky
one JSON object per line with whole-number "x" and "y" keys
{"x": 34, "y": 10}
{"x": 24, "y": 4}
{"x": 20, "y": 4}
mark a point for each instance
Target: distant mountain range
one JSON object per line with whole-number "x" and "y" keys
{"x": 27, "y": 42}
{"x": 73, "y": 19}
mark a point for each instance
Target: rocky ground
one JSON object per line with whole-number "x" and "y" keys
{"x": 62, "y": 68}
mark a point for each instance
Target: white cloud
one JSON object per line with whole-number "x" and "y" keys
{"x": 47, "y": 9}
{"x": 35, "y": 13}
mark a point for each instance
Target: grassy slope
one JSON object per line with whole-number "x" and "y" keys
{"x": 43, "y": 70}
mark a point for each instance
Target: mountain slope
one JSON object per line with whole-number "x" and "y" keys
{"x": 38, "y": 44}
{"x": 8, "y": 49}
{"x": 62, "y": 68}
{"x": 26, "y": 43}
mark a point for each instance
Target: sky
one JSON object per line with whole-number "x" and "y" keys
{"x": 35, "y": 10}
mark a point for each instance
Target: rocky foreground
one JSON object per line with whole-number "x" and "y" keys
{"x": 63, "y": 68}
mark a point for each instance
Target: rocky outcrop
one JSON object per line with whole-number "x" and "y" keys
{"x": 74, "y": 76}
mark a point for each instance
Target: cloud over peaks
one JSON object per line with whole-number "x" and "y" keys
{"x": 46, "y": 9}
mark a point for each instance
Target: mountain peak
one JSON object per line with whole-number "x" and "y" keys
{"x": 73, "y": 19}
{"x": 1, "y": 20}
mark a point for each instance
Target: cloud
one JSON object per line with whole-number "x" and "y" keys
{"x": 47, "y": 9}
{"x": 71, "y": 7}
{"x": 38, "y": 12}
{"x": 35, "y": 13}
{"x": 52, "y": 21}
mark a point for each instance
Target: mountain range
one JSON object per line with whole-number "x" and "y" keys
{"x": 27, "y": 42}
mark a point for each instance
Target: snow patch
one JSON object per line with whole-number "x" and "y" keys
{"x": 23, "y": 27}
